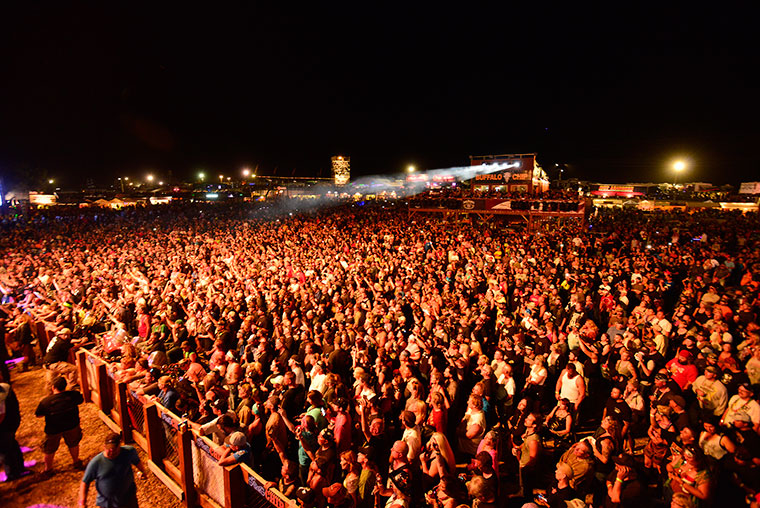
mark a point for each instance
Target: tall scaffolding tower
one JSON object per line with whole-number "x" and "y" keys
{"x": 341, "y": 169}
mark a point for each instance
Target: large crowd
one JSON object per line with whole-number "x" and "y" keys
{"x": 357, "y": 358}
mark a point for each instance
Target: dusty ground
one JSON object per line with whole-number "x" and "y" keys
{"x": 62, "y": 488}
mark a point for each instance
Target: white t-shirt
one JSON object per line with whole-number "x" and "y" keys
{"x": 737, "y": 405}
{"x": 413, "y": 440}
{"x": 665, "y": 325}
{"x": 509, "y": 387}
{"x": 318, "y": 382}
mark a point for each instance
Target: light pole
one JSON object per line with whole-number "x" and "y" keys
{"x": 121, "y": 182}
{"x": 678, "y": 167}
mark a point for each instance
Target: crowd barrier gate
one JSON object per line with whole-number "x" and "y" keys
{"x": 183, "y": 460}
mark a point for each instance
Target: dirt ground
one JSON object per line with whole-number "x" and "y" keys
{"x": 61, "y": 490}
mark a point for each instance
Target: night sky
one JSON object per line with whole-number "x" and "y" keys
{"x": 98, "y": 92}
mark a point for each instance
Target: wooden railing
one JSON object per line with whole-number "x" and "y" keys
{"x": 182, "y": 459}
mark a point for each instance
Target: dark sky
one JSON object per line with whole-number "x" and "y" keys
{"x": 617, "y": 93}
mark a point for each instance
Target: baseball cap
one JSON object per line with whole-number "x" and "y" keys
{"x": 238, "y": 439}
{"x": 306, "y": 496}
{"x": 746, "y": 386}
{"x": 335, "y": 493}
{"x": 624, "y": 460}
{"x": 684, "y": 355}
{"x": 679, "y": 401}
{"x": 367, "y": 451}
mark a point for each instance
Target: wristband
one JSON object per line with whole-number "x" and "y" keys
{"x": 618, "y": 480}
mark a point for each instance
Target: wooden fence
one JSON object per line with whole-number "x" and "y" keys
{"x": 182, "y": 459}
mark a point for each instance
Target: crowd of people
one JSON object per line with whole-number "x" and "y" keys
{"x": 358, "y": 359}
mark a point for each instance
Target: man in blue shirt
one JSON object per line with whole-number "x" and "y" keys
{"x": 112, "y": 472}
{"x": 236, "y": 451}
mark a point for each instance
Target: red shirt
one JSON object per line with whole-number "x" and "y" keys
{"x": 439, "y": 420}
{"x": 684, "y": 375}
{"x": 342, "y": 432}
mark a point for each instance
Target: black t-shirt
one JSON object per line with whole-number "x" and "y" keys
{"x": 380, "y": 446}
{"x": 3, "y": 349}
{"x": 541, "y": 345}
{"x": 680, "y": 420}
{"x": 618, "y": 410}
{"x": 293, "y": 401}
{"x": 10, "y": 408}
{"x": 24, "y": 333}
{"x": 559, "y": 499}
{"x": 749, "y": 440}
{"x": 57, "y": 351}
{"x": 61, "y": 411}
{"x": 731, "y": 380}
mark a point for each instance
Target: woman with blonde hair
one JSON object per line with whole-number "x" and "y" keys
{"x": 416, "y": 401}
{"x": 490, "y": 444}
{"x": 534, "y": 385}
{"x": 472, "y": 428}
{"x": 438, "y": 416}
{"x": 438, "y": 459}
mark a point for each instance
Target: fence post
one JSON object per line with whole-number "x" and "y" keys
{"x": 234, "y": 488}
{"x": 84, "y": 383}
{"x": 155, "y": 435}
{"x": 42, "y": 338}
{"x": 123, "y": 410}
{"x": 185, "y": 453}
{"x": 102, "y": 379}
